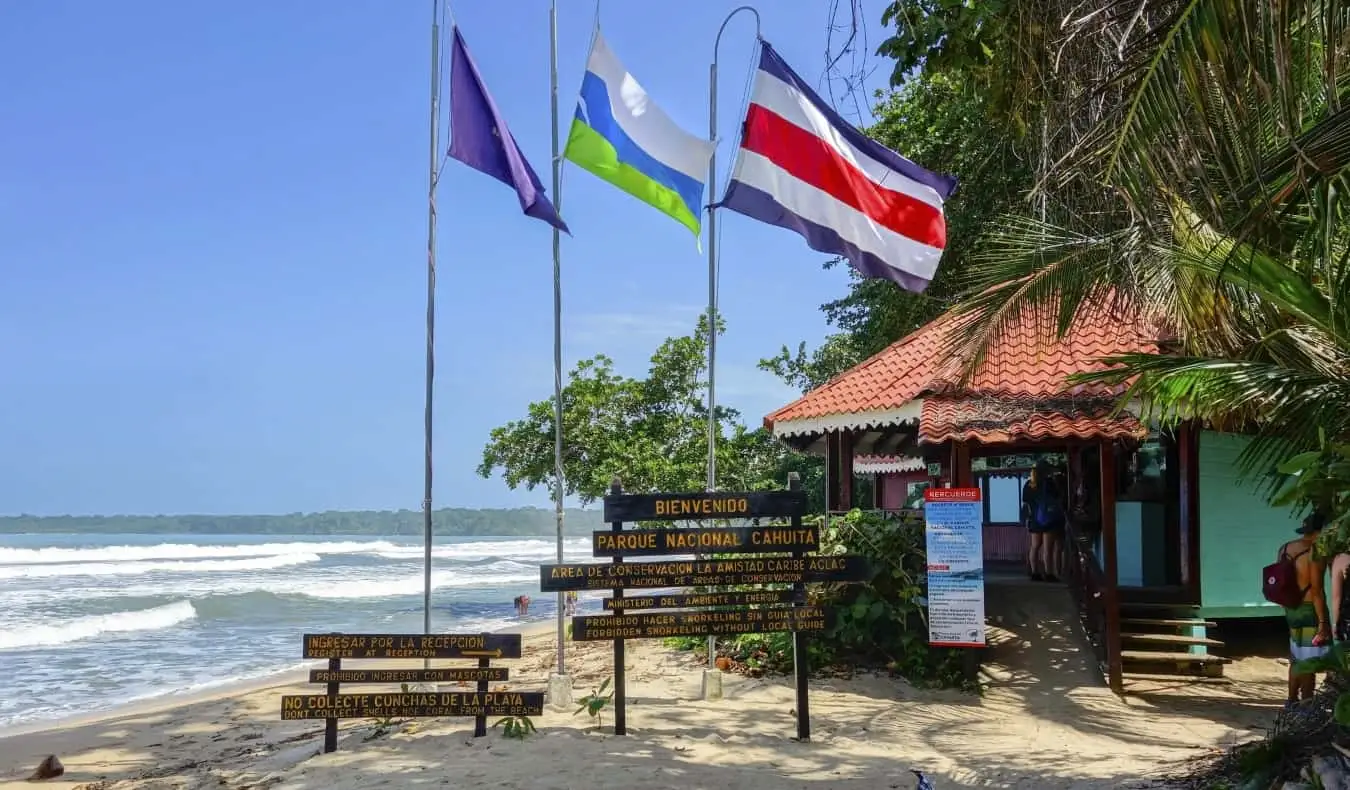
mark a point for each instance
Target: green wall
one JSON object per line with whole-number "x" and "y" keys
{"x": 1239, "y": 532}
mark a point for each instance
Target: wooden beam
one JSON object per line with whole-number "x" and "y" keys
{"x": 1111, "y": 569}
{"x": 846, "y": 444}
{"x": 959, "y": 472}
{"x": 832, "y": 471}
{"x": 1188, "y": 459}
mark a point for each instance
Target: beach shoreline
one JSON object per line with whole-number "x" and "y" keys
{"x": 1045, "y": 722}
{"x": 172, "y": 699}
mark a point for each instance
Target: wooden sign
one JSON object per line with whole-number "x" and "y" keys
{"x": 705, "y": 573}
{"x": 412, "y": 646}
{"x": 451, "y": 675}
{"x": 698, "y": 623}
{"x": 711, "y": 540}
{"x": 684, "y": 600}
{"x": 391, "y": 706}
{"x": 701, "y": 505}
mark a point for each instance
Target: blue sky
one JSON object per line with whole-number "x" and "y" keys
{"x": 212, "y": 271}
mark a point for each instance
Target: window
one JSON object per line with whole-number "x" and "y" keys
{"x": 1149, "y": 472}
{"x": 1004, "y": 495}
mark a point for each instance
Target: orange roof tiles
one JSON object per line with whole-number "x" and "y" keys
{"x": 1026, "y": 362}
{"x": 991, "y": 420}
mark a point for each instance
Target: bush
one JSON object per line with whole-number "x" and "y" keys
{"x": 879, "y": 623}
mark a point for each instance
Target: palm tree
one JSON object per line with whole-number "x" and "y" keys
{"x": 1209, "y": 197}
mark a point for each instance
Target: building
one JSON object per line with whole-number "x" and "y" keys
{"x": 1166, "y": 537}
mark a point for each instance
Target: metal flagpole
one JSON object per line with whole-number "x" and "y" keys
{"x": 712, "y": 271}
{"x": 558, "y": 485}
{"x": 431, "y": 312}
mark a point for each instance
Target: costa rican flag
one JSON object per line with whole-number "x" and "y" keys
{"x": 803, "y": 167}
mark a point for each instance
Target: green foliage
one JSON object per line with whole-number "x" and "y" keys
{"x": 516, "y": 727}
{"x": 878, "y": 623}
{"x": 1336, "y": 661}
{"x": 446, "y": 521}
{"x": 941, "y": 35}
{"x": 651, "y": 432}
{"x": 883, "y": 621}
{"x": 594, "y": 703}
{"x": 1220, "y": 158}
{"x": 1319, "y": 480}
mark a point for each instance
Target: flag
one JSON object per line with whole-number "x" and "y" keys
{"x": 622, "y": 137}
{"x": 804, "y": 168}
{"x": 479, "y": 137}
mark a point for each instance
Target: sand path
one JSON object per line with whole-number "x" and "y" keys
{"x": 1044, "y": 722}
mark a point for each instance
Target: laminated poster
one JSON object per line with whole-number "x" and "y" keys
{"x": 953, "y": 530}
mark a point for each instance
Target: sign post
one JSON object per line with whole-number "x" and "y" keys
{"x": 334, "y": 705}
{"x": 774, "y": 561}
{"x": 953, "y": 533}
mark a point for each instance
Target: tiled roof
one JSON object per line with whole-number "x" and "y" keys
{"x": 1027, "y": 361}
{"x": 994, "y": 420}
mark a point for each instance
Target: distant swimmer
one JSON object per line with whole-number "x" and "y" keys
{"x": 522, "y": 603}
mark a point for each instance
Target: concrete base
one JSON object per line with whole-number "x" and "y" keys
{"x": 560, "y": 691}
{"x": 712, "y": 684}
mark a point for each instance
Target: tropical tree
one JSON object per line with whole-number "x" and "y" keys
{"x": 651, "y": 432}
{"x": 1208, "y": 197}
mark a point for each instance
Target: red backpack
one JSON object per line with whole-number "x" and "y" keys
{"x": 1279, "y": 581}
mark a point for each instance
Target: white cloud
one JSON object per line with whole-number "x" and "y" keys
{"x": 645, "y": 329}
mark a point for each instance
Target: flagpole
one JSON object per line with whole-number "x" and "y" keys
{"x": 712, "y": 270}
{"x": 558, "y": 484}
{"x": 431, "y": 314}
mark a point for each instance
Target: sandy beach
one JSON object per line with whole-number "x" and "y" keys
{"x": 1044, "y": 721}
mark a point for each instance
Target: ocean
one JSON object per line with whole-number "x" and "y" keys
{"x": 90, "y": 622}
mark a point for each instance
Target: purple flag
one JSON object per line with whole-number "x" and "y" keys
{"x": 479, "y": 138}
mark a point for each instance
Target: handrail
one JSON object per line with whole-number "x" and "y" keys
{"x": 1087, "y": 583}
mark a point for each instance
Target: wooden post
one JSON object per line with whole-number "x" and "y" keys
{"x": 1110, "y": 569}
{"x": 833, "y": 487}
{"x": 480, "y": 722}
{"x": 330, "y": 725}
{"x": 846, "y": 443}
{"x": 620, "y": 686}
{"x": 801, "y": 657}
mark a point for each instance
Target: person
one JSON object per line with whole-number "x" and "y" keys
{"x": 522, "y": 605}
{"x": 1043, "y": 515}
{"x": 1309, "y": 626}
{"x": 1336, "y": 599}
{"x": 570, "y": 603}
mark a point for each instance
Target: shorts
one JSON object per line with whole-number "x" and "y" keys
{"x": 1302, "y": 622}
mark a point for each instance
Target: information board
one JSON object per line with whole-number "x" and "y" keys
{"x": 706, "y": 573}
{"x": 698, "y": 623}
{"x": 704, "y": 505}
{"x": 683, "y": 600}
{"x": 708, "y": 540}
{"x": 412, "y": 646}
{"x": 953, "y": 529}
{"x": 389, "y": 706}
{"x": 449, "y": 675}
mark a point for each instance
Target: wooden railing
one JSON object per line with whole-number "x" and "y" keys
{"x": 1097, "y": 602}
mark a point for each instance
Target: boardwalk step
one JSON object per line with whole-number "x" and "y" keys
{"x": 1145, "y": 677}
{"x": 1150, "y": 657}
{"x": 1171, "y": 639}
{"x": 1180, "y": 622}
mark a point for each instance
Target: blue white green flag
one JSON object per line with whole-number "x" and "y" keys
{"x": 622, "y": 137}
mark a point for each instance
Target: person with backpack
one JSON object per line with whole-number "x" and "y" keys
{"x": 1043, "y": 515}
{"x": 1294, "y": 581}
